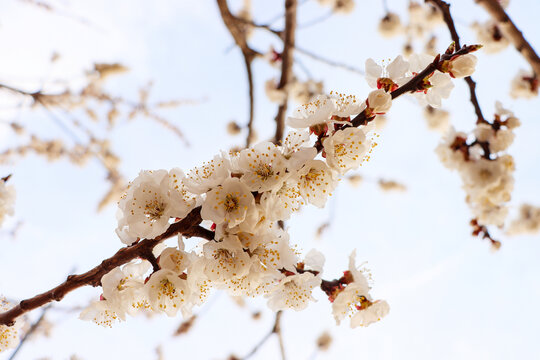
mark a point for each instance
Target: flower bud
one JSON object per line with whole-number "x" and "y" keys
{"x": 462, "y": 66}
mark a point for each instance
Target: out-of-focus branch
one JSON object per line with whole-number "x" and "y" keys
{"x": 494, "y": 8}
{"x": 30, "y": 331}
{"x": 276, "y": 329}
{"x": 447, "y": 16}
{"x": 237, "y": 28}
{"x": 287, "y": 60}
{"x": 189, "y": 227}
{"x": 328, "y": 61}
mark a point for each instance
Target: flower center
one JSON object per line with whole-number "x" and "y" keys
{"x": 231, "y": 203}
{"x": 154, "y": 209}
{"x": 264, "y": 171}
{"x": 167, "y": 288}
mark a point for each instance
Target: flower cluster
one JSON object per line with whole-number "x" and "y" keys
{"x": 435, "y": 87}
{"x": 245, "y": 195}
{"x": 485, "y": 168}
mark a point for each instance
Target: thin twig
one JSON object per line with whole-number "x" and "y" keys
{"x": 276, "y": 329}
{"x": 30, "y": 331}
{"x": 328, "y": 61}
{"x": 494, "y": 8}
{"x": 236, "y": 27}
{"x": 287, "y": 60}
{"x": 447, "y": 16}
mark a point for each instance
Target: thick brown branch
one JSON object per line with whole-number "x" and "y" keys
{"x": 494, "y": 8}
{"x": 189, "y": 226}
{"x": 287, "y": 59}
{"x": 445, "y": 9}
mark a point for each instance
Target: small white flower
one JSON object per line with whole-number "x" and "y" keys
{"x": 123, "y": 288}
{"x": 345, "y": 149}
{"x": 168, "y": 293}
{"x": 174, "y": 259}
{"x": 439, "y": 85}
{"x": 230, "y": 202}
{"x": 317, "y": 112}
{"x": 371, "y": 314}
{"x": 378, "y": 102}
{"x": 346, "y": 105}
{"x": 461, "y": 66}
{"x": 149, "y": 202}
{"x": 389, "y": 77}
{"x": 354, "y": 301}
{"x": 100, "y": 313}
{"x": 7, "y": 200}
{"x": 316, "y": 182}
{"x": 209, "y": 175}
{"x": 280, "y": 204}
{"x": 263, "y": 166}
{"x": 226, "y": 259}
{"x": 293, "y": 292}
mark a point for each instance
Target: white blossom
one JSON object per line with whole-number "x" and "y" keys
{"x": 149, "y": 202}
{"x": 225, "y": 259}
{"x": 440, "y": 85}
{"x": 168, "y": 293}
{"x": 100, "y": 312}
{"x": 355, "y": 301}
{"x": 316, "y": 182}
{"x": 7, "y": 200}
{"x": 317, "y": 112}
{"x": 230, "y": 202}
{"x": 387, "y": 77}
{"x": 378, "y": 102}
{"x": 293, "y": 292}
{"x": 209, "y": 175}
{"x": 462, "y": 66}
{"x": 264, "y": 167}
{"x": 345, "y": 149}
{"x": 123, "y": 288}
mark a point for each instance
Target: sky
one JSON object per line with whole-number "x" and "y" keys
{"x": 450, "y": 296}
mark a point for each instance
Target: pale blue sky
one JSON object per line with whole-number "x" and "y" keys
{"x": 450, "y": 297}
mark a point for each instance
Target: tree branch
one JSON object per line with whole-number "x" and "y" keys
{"x": 447, "y": 16}
{"x": 237, "y": 28}
{"x": 189, "y": 226}
{"x": 494, "y": 8}
{"x": 287, "y": 60}
{"x": 276, "y": 329}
